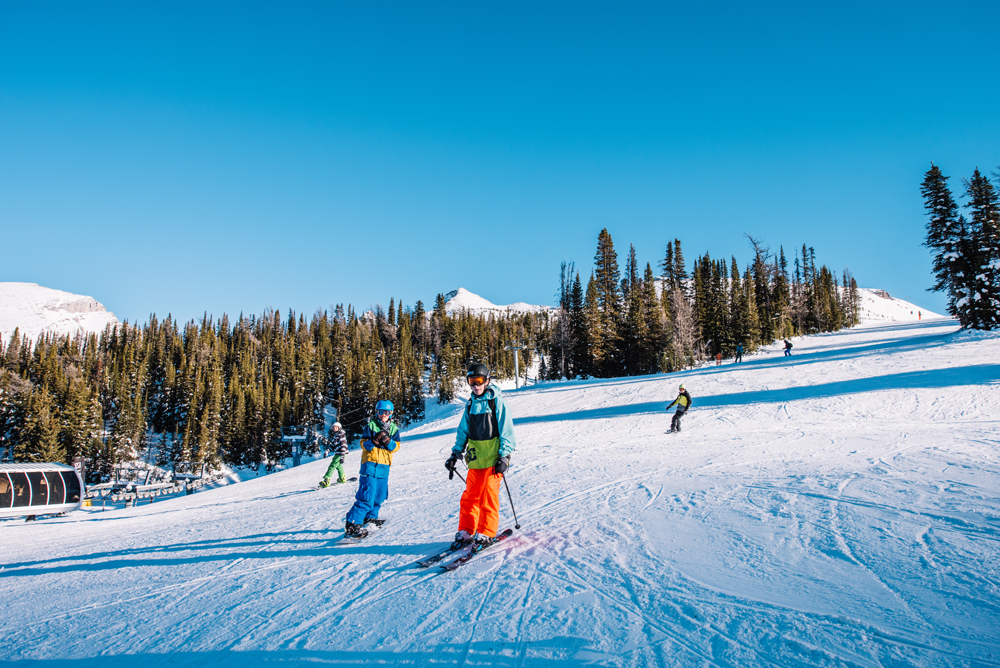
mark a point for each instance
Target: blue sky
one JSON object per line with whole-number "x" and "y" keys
{"x": 183, "y": 158}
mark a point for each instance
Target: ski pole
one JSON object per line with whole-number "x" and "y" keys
{"x": 453, "y": 471}
{"x": 511, "y": 499}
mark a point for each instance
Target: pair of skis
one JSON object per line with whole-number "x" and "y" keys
{"x": 467, "y": 556}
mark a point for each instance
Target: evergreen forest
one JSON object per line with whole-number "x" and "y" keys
{"x": 221, "y": 391}
{"x": 965, "y": 250}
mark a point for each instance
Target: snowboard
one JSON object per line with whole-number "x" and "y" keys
{"x": 335, "y": 483}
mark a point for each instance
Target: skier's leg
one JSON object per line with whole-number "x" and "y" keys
{"x": 362, "y": 500}
{"x": 334, "y": 465}
{"x": 381, "y": 486}
{"x": 675, "y": 423}
{"x": 468, "y": 517}
{"x": 489, "y": 516}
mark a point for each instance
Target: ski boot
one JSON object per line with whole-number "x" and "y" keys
{"x": 483, "y": 542}
{"x": 371, "y": 520}
{"x": 461, "y": 540}
{"x": 352, "y": 530}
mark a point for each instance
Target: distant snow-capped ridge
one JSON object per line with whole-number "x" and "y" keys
{"x": 35, "y": 310}
{"x": 463, "y": 300}
{"x": 878, "y": 305}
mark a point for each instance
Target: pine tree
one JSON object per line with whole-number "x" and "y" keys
{"x": 984, "y": 220}
{"x": 654, "y": 321}
{"x": 580, "y": 359}
{"x": 946, "y": 237}
{"x": 607, "y": 357}
{"x": 40, "y": 439}
{"x": 634, "y": 329}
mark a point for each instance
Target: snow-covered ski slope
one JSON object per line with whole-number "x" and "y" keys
{"x": 840, "y": 507}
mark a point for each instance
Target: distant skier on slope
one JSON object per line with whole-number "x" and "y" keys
{"x": 683, "y": 402}
{"x": 379, "y": 441}
{"x": 788, "y": 348}
{"x": 739, "y": 353}
{"x": 486, "y": 437}
{"x": 338, "y": 439}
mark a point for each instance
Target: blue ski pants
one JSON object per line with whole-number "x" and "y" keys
{"x": 372, "y": 492}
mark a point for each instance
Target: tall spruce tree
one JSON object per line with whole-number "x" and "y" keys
{"x": 607, "y": 350}
{"x": 984, "y": 220}
{"x": 947, "y": 237}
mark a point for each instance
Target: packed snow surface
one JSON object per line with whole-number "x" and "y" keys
{"x": 880, "y": 305}
{"x": 34, "y": 310}
{"x": 839, "y": 507}
{"x": 463, "y": 300}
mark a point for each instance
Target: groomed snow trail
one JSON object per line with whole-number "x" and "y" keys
{"x": 839, "y": 507}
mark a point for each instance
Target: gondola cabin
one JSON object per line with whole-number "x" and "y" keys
{"x": 39, "y": 489}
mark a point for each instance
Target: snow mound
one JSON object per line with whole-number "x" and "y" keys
{"x": 878, "y": 305}
{"x": 35, "y": 310}
{"x": 462, "y": 300}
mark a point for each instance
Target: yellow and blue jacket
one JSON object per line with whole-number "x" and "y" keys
{"x": 486, "y": 431}
{"x": 683, "y": 402}
{"x": 376, "y": 460}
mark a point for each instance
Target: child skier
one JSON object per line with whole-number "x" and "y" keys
{"x": 683, "y": 402}
{"x": 379, "y": 441}
{"x": 486, "y": 437}
{"x": 788, "y": 348}
{"x": 338, "y": 439}
{"x": 739, "y": 353}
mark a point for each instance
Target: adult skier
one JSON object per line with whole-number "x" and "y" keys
{"x": 338, "y": 439}
{"x": 486, "y": 438}
{"x": 788, "y": 348}
{"x": 379, "y": 441}
{"x": 683, "y": 402}
{"x": 739, "y": 353}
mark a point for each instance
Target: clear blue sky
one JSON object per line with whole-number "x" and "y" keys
{"x": 183, "y": 158}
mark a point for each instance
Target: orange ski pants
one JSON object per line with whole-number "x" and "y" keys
{"x": 480, "y": 508}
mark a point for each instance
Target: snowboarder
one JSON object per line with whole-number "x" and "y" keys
{"x": 486, "y": 437}
{"x": 338, "y": 439}
{"x": 739, "y": 353}
{"x": 379, "y": 441}
{"x": 788, "y": 348}
{"x": 683, "y": 402}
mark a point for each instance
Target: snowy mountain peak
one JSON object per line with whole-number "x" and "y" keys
{"x": 463, "y": 300}
{"x": 879, "y": 305}
{"x": 35, "y": 310}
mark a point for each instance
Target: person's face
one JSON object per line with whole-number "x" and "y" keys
{"x": 384, "y": 416}
{"x": 478, "y": 385}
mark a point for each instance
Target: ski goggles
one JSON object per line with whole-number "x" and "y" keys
{"x": 382, "y": 412}
{"x": 477, "y": 381}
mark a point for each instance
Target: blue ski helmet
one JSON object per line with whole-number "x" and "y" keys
{"x": 385, "y": 405}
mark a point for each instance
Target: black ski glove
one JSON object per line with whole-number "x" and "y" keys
{"x": 381, "y": 439}
{"x": 452, "y": 462}
{"x": 503, "y": 463}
